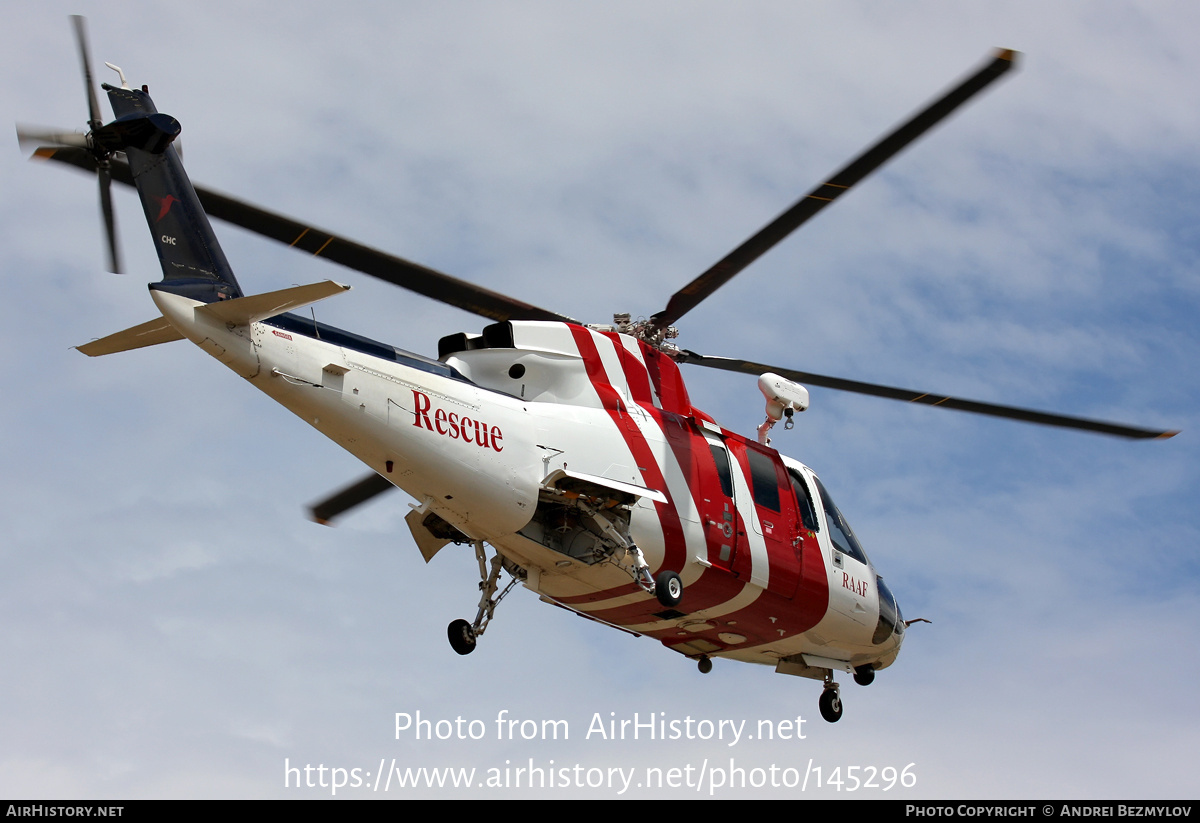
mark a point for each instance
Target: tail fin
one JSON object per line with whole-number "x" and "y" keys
{"x": 192, "y": 261}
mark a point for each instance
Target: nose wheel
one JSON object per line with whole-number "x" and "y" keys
{"x": 831, "y": 705}
{"x": 831, "y": 699}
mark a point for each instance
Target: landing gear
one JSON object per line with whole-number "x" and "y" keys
{"x": 462, "y": 638}
{"x": 831, "y": 700}
{"x": 704, "y": 664}
{"x": 668, "y": 588}
{"x": 831, "y": 705}
{"x": 864, "y": 675}
{"x": 463, "y": 635}
{"x": 623, "y": 553}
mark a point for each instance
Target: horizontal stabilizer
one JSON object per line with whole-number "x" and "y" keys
{"x": 242, "y": 311}
{"x": 150, "y": 333}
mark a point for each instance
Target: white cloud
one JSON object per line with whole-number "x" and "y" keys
{"x": 174, "y": 628}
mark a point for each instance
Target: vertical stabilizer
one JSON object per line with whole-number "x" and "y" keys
{"x": 192, "y": 261}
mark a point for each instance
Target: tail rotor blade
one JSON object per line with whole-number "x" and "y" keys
{"x": 50, "y": 143}
{"x": 31, "y": 137}
{"x": 110, "y": 220}
{"x": 86, "y": 63}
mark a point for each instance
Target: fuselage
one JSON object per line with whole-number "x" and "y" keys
{"x": 502, "y": 436}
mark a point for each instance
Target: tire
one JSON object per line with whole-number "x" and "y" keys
{"x": 704, "y": 664}
{"x": 668, "y": 588}
{"x": 462, "y": 639}
{"x": 831, "y": 706}
{"x": 864, "y": 675}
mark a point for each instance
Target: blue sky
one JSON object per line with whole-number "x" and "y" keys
{"x": 173, "y": 627}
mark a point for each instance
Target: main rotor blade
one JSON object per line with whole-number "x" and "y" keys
{"x": 85, "y": 61}
{"x": 354, "y": 495}
{"x": 723, "y": 270}
{"x": 318, "y": 242}
{"x": 926, "y": 399}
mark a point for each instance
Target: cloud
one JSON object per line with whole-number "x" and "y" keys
{"x": 174, "y": 628}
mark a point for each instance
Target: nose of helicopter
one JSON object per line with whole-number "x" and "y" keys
{"x": 889, "y": 631}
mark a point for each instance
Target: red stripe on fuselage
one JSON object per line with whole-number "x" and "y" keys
{"x": 674, "y": 549}
{"x": 636, "y": 375}
{"x": 710, "y": 589}
{"x": 768, "y": 616}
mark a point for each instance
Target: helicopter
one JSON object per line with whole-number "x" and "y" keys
{"x": 572, "y": 449}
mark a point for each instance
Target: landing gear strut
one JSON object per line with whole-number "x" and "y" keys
{"x": 463, "y": 635}
{"x": 831, "y": 700}
{"x": 625, "y": 555}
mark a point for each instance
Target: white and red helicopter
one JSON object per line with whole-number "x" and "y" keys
{"x": 571, "y": 449}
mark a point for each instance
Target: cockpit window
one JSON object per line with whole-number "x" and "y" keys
{"x": 839, "y": 530}
{"x": 808, "y": 514}
{"x": 890, "y": 619}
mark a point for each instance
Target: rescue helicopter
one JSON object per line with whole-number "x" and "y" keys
{"x": 571, "y": 449}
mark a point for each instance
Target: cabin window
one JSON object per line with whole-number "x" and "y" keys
{"x": 763, "y": 480}
{"x": 721, "y": 458}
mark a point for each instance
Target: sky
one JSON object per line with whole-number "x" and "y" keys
{"x": 174, "y": 627}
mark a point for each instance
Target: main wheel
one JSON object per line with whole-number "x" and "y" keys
{"x": 864, "y": 675}
{"x": 831, "y": 705}
{"x": 462, "y": 638}
{"x": 704, "y": 664}
{"x": 668, "y": 588}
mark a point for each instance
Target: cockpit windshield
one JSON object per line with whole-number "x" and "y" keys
{"x": 839, "y": 530}
{"x": 890, "y": 619}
